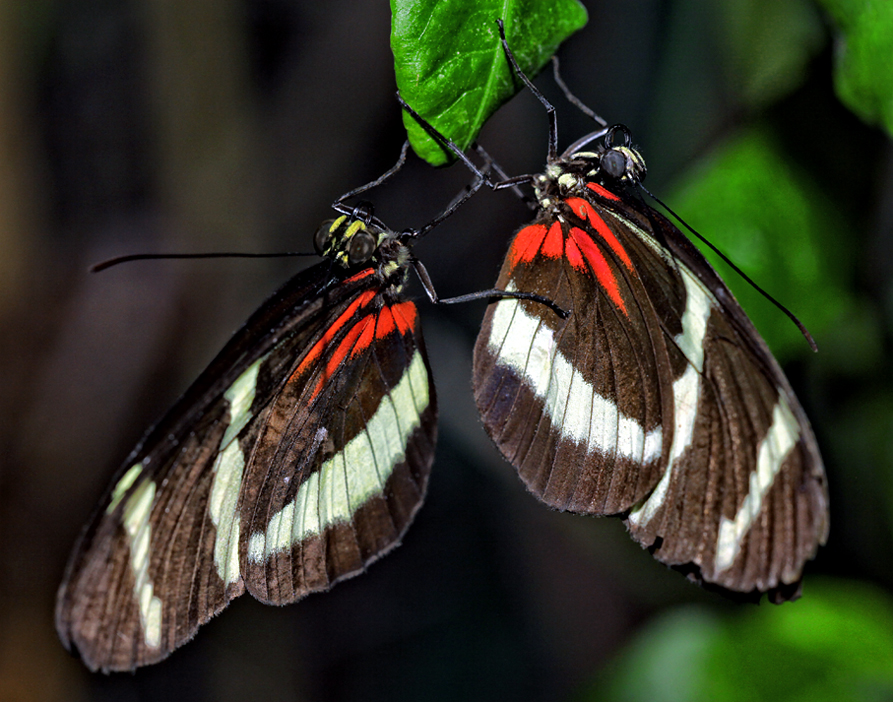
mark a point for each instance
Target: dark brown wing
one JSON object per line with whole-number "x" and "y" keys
{"x": 742, "y": 502}
{"x": 692, "y": 428}
{"x": 579, "y": 406}
{"x": 161, "y": 556}
{"x": 342, "y": 459}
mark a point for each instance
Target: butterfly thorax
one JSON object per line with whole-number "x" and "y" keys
{"x": 615, "y": 166}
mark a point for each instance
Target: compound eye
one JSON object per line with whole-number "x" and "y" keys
{"x": 613, "y": 163}
{"x": 360, "y": 248}
{"x": 322, "y": 236}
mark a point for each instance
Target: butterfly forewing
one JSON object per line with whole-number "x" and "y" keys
{"x": 656, "y": 399}
{"x": 321, "y": 375}
{"x": 577, "y": 405}
{"x": 144, "y": 540}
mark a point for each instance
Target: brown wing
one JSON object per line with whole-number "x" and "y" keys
{"x": 580, "y": 406}
{"x": 657, "y": 397}
{"x": 341, "y": 463}
{"x": 162, "y": 554}
{"x": 742, "y": 502}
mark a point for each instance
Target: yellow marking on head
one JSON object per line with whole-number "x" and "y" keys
{"x": 356, "y": 226}
{"x": 337, "y": 223}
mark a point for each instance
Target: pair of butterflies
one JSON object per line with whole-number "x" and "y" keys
{"x": 302, "y": 453}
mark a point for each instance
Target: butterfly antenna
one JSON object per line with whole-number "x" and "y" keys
{"x": 550, "y": 108}
{"x": 802, "y": 327}
{"x": 573, "y": 99}
{"x": 109, "y": 263}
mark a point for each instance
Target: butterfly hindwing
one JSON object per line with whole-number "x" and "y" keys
{"x": 153, "y": 532}
{"x": 742, "y": 502}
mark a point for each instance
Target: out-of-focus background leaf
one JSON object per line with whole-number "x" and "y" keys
{"x": 768, "y": 216}
{"x": 835, "y": 645}
{"x": 451, "y": 67}
{"x": 767, "y": 47}
{"x": 863, "y": 46}
{"x": 140, "y": 126}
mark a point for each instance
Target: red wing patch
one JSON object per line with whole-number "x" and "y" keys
{"x": 574, "y": 257}
{"x": 601, "y": 192}
{"x": 599, "y": 265}
{"x": 400, "y": 318}
{"x": 526, "y": 244}
{"x": 365, "y": 273}
{"x": 404, "y": 316}
{"x": 330, "y": 333}
{"x": 553, "y": 246}
{"x": 384, "y": 325}
{"x": 585, "y": 211}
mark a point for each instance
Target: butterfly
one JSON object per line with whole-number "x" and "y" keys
{"x": 655, "y": 400}
{"x": 297, "y": 458}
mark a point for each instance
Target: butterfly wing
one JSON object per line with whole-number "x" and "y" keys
{"x": 742, "y": 502}
{"x": 361, "y": 427}
{"x": 577, "y": 405}
{"x": 656, "y": 399}
{"x": 167, "y": 549}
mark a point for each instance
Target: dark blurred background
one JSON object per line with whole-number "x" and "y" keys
{"x": 136, "y": 126}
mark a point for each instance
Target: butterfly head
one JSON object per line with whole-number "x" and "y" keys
{"x": 618, "y": 160}
{"x": 614, "y": 164}
{"x": 351, "y": 240}
{"x": 359, "y": 241}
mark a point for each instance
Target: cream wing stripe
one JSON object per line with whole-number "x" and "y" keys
{"x": 528, "y": 347}
{"x": 775, "y": 447}
{"x": 347, "y": 480}
{"x": 137, "y": 511}
{"x": 686, "y": 389}
{"x": 228, "y": 470}
{"x": 240, "y": 397}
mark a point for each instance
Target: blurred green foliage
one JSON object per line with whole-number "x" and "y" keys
{"x": 773, "y": 221}
{"x": 864, "y": 47}
{"x": 835, "y": 643}
{"x": 768, "y": 45}
{"x": 456, "y": 84}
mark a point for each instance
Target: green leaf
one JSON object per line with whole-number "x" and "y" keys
{"x": 862, "y": 75}
{"x": 780, "y": 228}
{"x": 836, "y": 643}
{"x": 450, "y": 64}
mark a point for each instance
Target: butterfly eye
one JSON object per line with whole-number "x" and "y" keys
{"x": 360, "y": 248}
{"x": 613, "y": 163}
{"x": 322, "y": 236}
